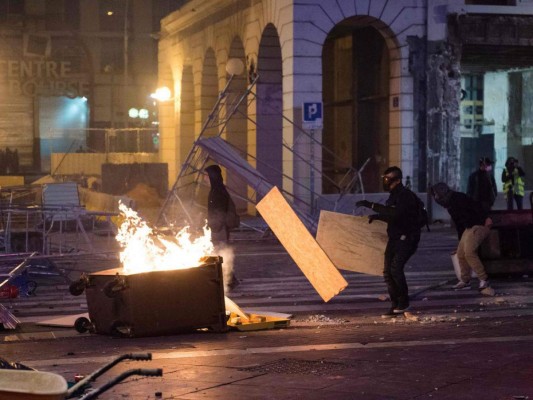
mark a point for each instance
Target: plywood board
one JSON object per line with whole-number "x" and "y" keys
{"x": 352, "y": 243}
{"x": 301, "y": 246}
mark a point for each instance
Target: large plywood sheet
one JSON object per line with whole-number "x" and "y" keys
{"x": 352, "y": 243}
{"x": 300, "y": 244}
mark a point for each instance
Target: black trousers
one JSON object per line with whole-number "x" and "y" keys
{"x": 517, "y": 198}
{"x": 397, "y": 253}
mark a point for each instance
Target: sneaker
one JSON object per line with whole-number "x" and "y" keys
{"x": 389, "y": 314}
{"x": 462, "y": 286}
{"x": 483, "y": 284}
{"x": 400, "y": 309}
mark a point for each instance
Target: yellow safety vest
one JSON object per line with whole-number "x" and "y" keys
{"x": 518, "y": 186}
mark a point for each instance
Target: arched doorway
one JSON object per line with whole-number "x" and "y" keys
{"x": 356, "y": 74}
{"x": 270, "y": 107}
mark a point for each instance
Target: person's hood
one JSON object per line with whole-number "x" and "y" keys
{"x": 442, "y": 194}
{"x": 215, "y": 175}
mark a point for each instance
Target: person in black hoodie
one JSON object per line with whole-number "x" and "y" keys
{"x": 400, "y": 212}
{"x": 473, "y": 226}
{"x": 482, "y": 185}
{"x": 220, "y": 210}
{"x": 217, "y": 205}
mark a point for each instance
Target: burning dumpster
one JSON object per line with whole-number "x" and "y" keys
{"x": 165, "y": 285}
{"x": 156, "y": 302}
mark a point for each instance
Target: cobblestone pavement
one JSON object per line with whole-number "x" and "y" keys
{"x": 454, "y": 345}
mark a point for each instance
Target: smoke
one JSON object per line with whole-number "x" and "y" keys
{"x": 228, "y": 256}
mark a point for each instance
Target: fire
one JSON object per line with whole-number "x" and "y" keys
{"x": 143, "y": 250}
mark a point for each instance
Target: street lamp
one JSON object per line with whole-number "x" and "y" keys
{"x": 234, "y": 66}
{"x": 162, "y": 94}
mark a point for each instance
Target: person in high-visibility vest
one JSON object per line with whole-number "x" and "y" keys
{"x": 513, "y": 183}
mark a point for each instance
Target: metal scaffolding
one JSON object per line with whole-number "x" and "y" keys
{"x": 187, "y": 197}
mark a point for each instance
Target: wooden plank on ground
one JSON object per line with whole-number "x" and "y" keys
{"x": 301, "y": 246}
{"x": 66, "y": 321}
{"x": 352, "y": 243}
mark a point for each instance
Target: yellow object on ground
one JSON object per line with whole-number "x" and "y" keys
{"x": 256, "y": 322}
{"x": 253, "y": 321}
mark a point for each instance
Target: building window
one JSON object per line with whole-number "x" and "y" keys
{"x": 62, "y": 15}
{"x": 11, "y": 7}
{"x": 72, "y": 13}
{"x": 471, "y": 114}
{"x": 112, "y": 55}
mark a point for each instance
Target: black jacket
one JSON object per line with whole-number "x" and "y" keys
{"x": 400, "y": 212}
{"x": 217, "y": 202}
{"x": 465, "y": 212}
{"x": 482, "y": 187}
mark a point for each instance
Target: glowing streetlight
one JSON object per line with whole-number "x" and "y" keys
{"x": 143, "y": 113}
{"x": 133, "y": 113}
{"x": 162, "y": 94}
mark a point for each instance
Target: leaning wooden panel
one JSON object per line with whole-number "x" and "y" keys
{"x": 301, "y": 245}
{"x": 352, "y": 243}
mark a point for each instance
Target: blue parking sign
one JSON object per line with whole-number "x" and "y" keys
{"x": 312, "y": 115}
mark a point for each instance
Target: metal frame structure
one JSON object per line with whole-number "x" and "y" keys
{"x": 184, "y": 200}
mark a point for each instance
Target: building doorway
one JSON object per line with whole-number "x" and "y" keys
{"x": 270, "y": 108}
{"x": 356, "y": 73}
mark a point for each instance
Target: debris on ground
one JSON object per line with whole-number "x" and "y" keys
{"x": 322, "y": 319}
{"x": 410, "y": 316}
{"x": 488, "y": 291}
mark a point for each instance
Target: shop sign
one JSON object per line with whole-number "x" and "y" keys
{"x": 41, "y": 78}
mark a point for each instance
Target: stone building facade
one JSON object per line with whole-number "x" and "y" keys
{"x": 391, "y": 76}
{"x": 69, "y": 68}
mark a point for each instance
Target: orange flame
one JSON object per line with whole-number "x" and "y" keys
{"x": 143, "y": 250}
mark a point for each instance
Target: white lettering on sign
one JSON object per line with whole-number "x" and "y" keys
{"x": 35, "y": 77}
{"x": 48, "y": 88}
{"x": 35, "y": 69}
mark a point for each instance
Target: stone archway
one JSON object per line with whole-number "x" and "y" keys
{"x": 356, "y": 64}
{"x": 270, "y": 107}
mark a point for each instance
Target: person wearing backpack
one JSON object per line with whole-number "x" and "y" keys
{"x": 473, "y": 226}
{"x": 401, "y": 213}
